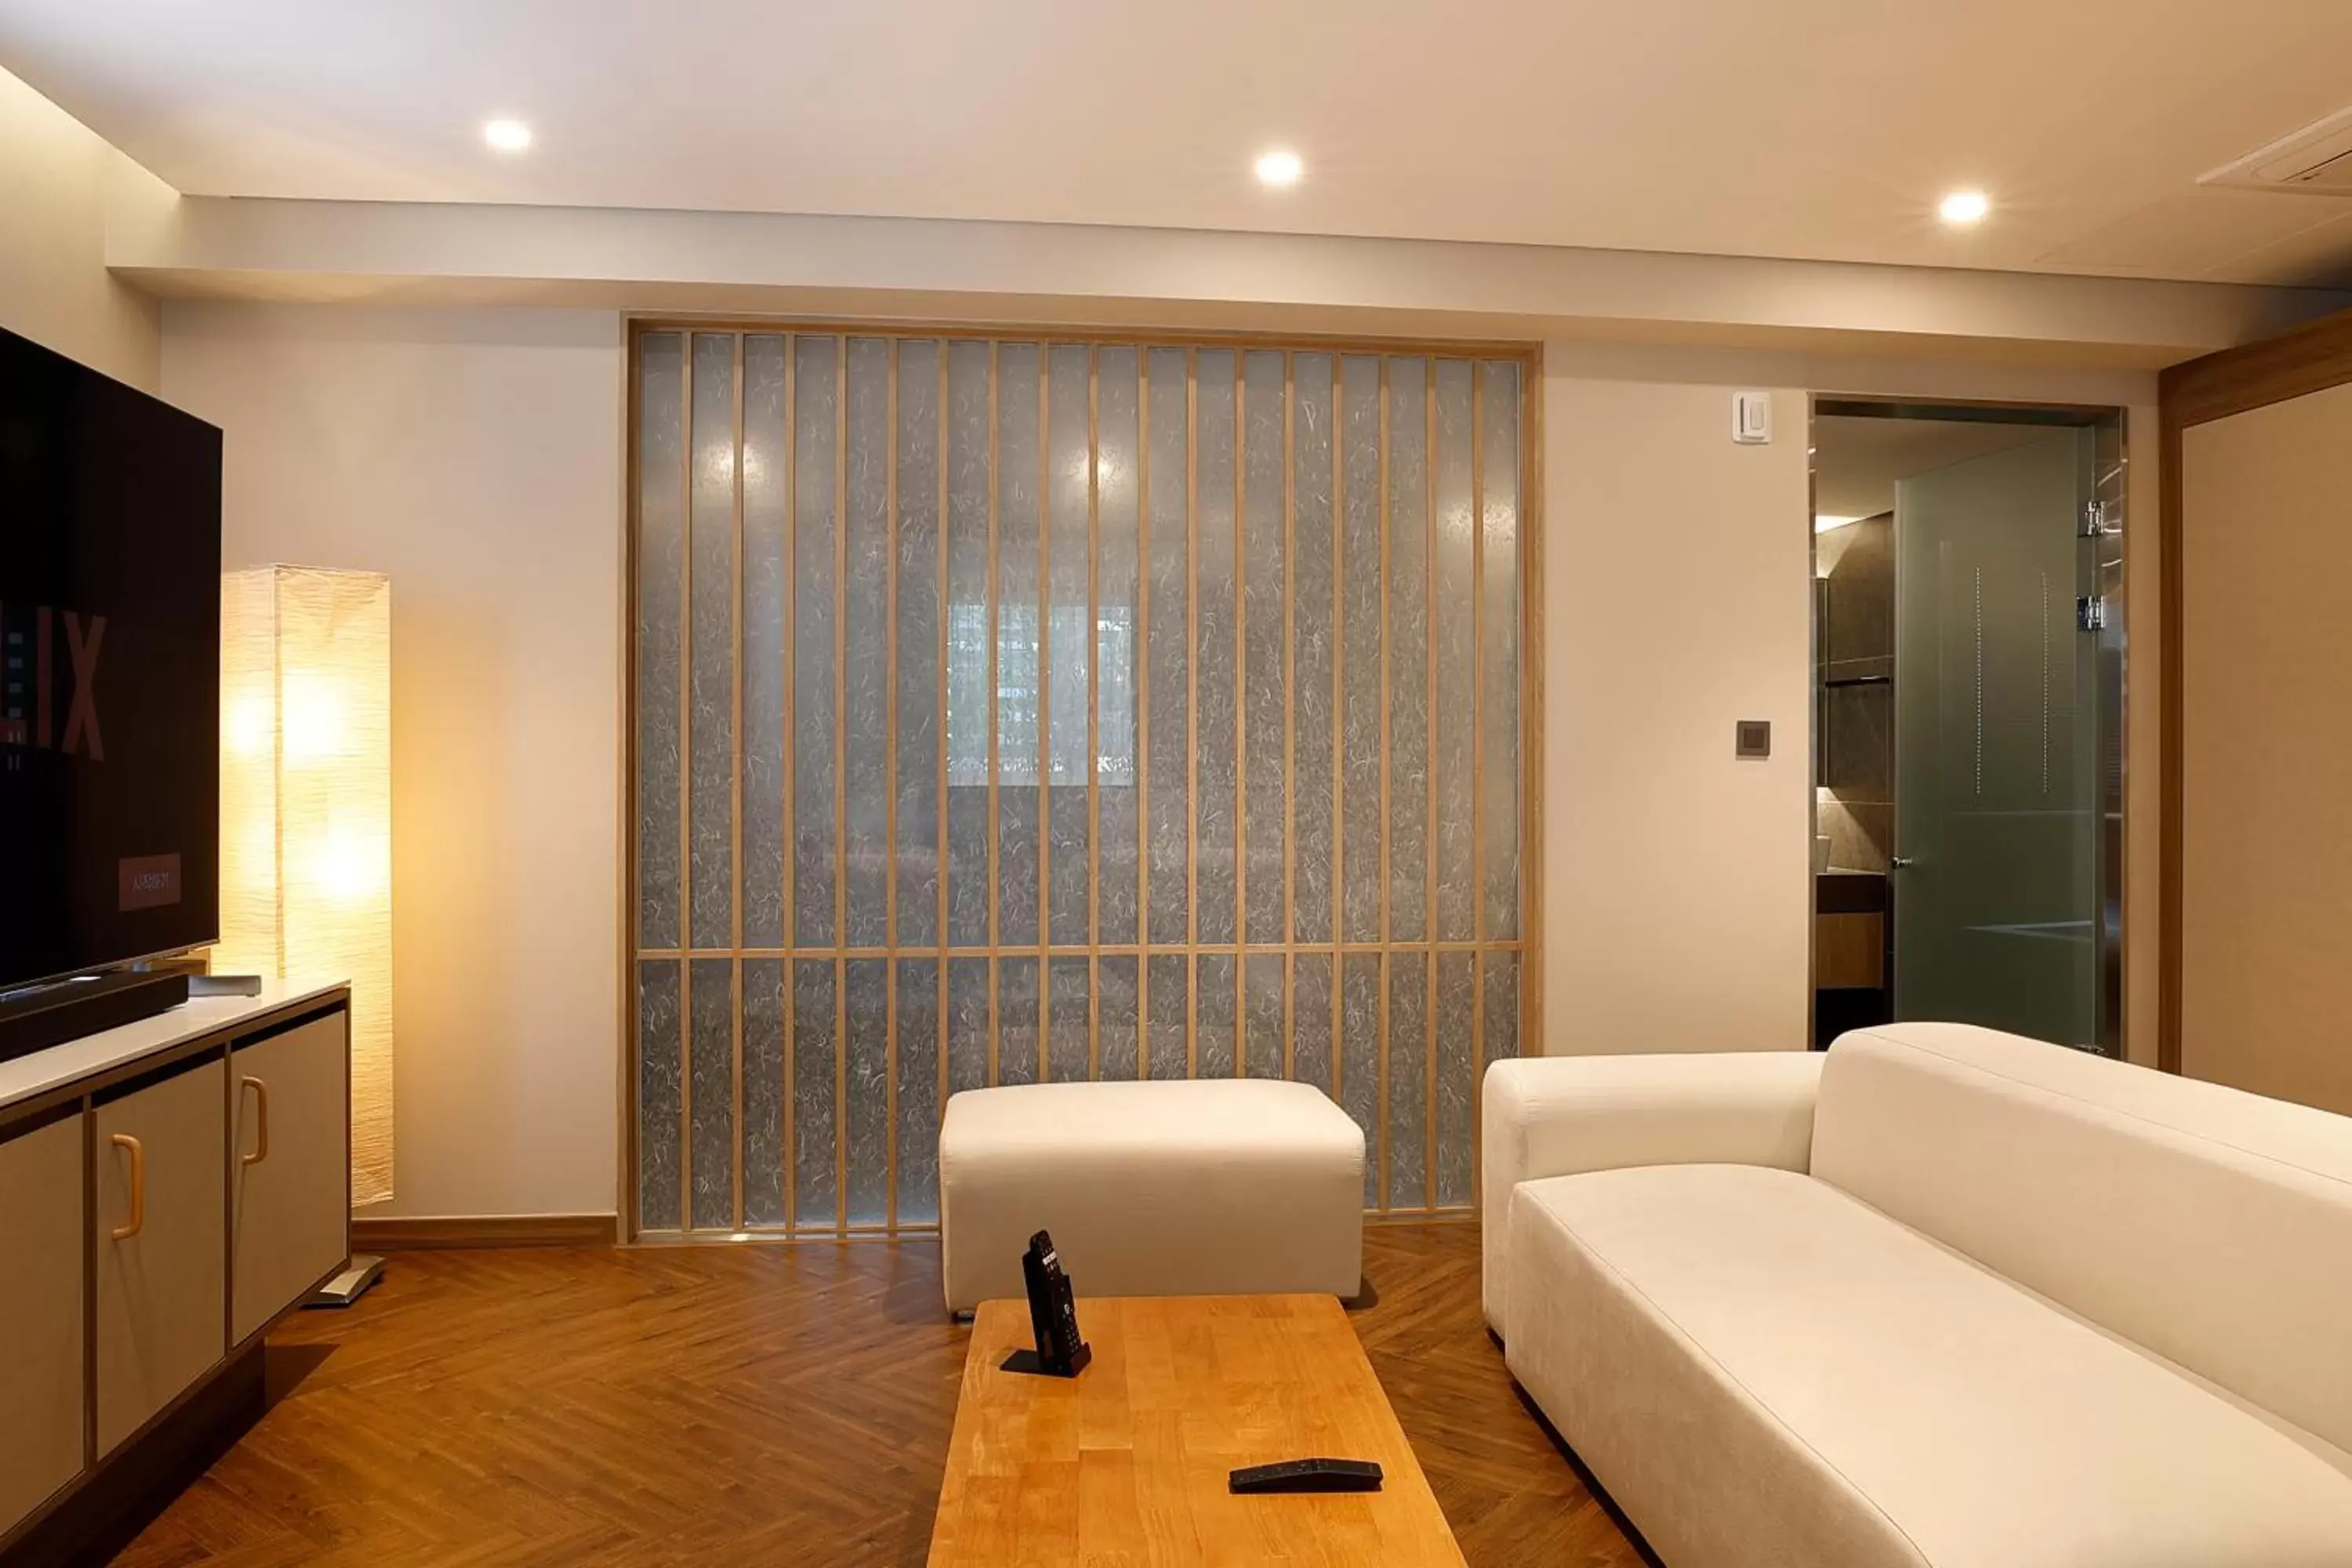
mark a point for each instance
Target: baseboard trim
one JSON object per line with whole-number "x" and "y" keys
{"x": 496, "y": 1230}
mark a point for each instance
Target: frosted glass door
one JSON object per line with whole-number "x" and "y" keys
{"x": 1996, "y": 739}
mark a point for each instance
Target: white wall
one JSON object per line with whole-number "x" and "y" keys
{"x": 1677, "y": 885}
{"x": 57, "y": 181}
{"x": 475, "y": 456}
{"x": 1677, "y": 601}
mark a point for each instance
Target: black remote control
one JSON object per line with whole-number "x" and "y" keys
{"x": 1307, "y": 1476}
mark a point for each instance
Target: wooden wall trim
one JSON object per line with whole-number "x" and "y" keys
{"x": 2167, "y": 777}
{"x": 2309, "y": 358}
{"x": 2295, "y": 364}
{"x": 516, "y": 1230}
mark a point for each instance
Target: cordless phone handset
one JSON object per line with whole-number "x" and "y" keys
{"x": 1053, "y": 1311}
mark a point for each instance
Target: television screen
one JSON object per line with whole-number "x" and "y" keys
{"x": 110, "y": 670}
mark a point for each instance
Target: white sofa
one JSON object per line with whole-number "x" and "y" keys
{"x": 1172, "y": 1187}
{"x": 1941, "y": 1296}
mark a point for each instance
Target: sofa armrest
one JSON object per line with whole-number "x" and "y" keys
{"x": 1554, "y": 1116}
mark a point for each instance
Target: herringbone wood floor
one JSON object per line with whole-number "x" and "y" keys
{"x": 747, "y": 1404}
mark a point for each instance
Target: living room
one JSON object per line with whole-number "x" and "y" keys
{"x": 844, "y": 639}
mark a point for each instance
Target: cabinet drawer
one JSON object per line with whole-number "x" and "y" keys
{"x": 162, "y": 1154}
{"x": 290, "y": 1184}
{"x": 41, "y": 1414}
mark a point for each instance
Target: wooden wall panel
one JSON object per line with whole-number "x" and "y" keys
{"x": 2266, "y": 750}
{"x": 2257, "y": 480}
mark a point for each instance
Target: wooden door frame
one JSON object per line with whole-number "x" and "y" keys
{"x": 2104, "y": 419}
{"x": 2311, "y": 358}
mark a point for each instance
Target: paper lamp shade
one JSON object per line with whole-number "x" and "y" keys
{"x": 306, "y": 809}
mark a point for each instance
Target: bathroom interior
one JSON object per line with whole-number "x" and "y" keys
{"x": 1968, "y": 760}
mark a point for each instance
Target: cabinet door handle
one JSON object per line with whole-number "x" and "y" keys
{"x": 261, "y": 1126}
{"x": 138, "y": 1187}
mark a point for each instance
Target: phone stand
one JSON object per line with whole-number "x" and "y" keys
{"x": 1031, "y": 1365}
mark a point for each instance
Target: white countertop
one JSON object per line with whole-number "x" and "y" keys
{"x": 29, "y": 1076}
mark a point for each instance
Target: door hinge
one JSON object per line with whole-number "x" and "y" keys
{"x": 2099, "y": 520}
{"x": 2091, "y": 612}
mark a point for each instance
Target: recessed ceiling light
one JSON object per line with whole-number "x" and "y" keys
{"x": 1280, "y": 168}
{"x": 1964, "y": 208}
{"x": 507, "y": 135}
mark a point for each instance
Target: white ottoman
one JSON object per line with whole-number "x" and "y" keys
{"x": 1189, "y": 1187}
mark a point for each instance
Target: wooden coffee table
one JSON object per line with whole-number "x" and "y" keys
{"x": 1126, "y": 1464}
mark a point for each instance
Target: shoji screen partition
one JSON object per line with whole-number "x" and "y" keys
{"x": 1008, "y": 711}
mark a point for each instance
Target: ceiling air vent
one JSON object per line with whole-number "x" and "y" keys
{"x": 2315, "y": 161}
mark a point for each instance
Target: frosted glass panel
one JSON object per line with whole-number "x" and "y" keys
{"x": 1068, "y": 1030}
{"x": 1170, "y": 1033}
{"x": 660, "y": 600}
{"x": 816, "y": 1039}
{"x": 967, "y": 1024}
{"x": 1116, "y": 1017}
{"x": 764, "y": 1091}
{"x": 1118, "y": 655}
{"x": 658, "y": 1095}
{"x": 1215, "y": 1005}
{"x": 1310, "y": 1013}
{"x": 1498, "y": 590}
{"x": 970, "y": 640}
{"x": 1267, "y": 1054}
{"x": 1017, "y": 999}
{"x": 1501, "y": 989}
{"x": 766, "y": 594}
{"x": 866, "y": 639}
{"x": 1359, "y": 1054}
{"x": 1009, "y": 711}
{"x": 711, "y": 684}
{"x": 1407, "y": 1069}
{"x": 1362, "y": 576}
{"x": 1457, "y": 1075}
{"x": 918, "y": 982}
{"x": 1313, "y": 645}
{"x": 1263, "y": 681}
{"x": 817, "y": 449}
{"x": 920, "y": 569}
{"x": 1171, "y": 646}
{"x": 865, "y": 1111}
{"x": 1214, "y": 653}
{"x": 1407, "y": 554}
{"x": 1452, "y": 607}
{"x": 1069, "y": 654}
{"x": 1020, "y": 650}
{"x": 714, "y": 1092}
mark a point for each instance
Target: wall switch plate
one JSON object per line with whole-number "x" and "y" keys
{"x": 1751, "y": 418}
{"x": 1752, "y": 739}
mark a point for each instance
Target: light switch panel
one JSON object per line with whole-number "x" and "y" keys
{"x": 1751, "y": 418}
{"x": 1752, "y": 739}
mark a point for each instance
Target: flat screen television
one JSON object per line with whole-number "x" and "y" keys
{"x": 110, "y": 672}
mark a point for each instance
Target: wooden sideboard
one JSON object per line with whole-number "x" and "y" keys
{"x": 168, "y": 1190}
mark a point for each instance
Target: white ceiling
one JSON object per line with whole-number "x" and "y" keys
{"x": 1793, "y": 128}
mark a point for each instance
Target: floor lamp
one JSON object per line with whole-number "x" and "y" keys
{"x": 306, "y": 820}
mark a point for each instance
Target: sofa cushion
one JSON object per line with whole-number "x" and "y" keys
{"x": 2210, "y": 1226}
{"x": 1762, "y": 1369}
{"x": 1170, "y": 1187}
{"x": 1554, "y": 1116}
